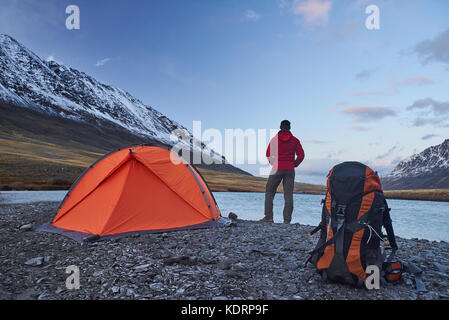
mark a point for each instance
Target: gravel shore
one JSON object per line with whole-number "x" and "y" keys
{"x": 250, "y": 260}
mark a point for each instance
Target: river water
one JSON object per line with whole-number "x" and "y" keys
{"x": 411, "y": 219}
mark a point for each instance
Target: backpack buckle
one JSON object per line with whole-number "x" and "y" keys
{"x": 341, "y": 211}
{"x": 340, "y": 214}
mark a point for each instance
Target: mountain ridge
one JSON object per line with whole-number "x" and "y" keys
{"x": 49, "y": 109}
{"x": 50, "y": 87}
{"x": 57, "y": 90}
{"x": 428, "y": 169}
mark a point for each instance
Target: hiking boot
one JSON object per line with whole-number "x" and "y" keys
{"x": 286, "y": 222}
{"x": 265, "y": 219}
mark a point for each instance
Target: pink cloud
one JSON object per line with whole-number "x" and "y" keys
{"x": 314, "y": 11}
{"x": 418, "y": 81}
{"x": 394, "y": 87}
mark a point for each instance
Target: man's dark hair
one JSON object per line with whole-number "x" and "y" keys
{"x": 285, "y": 125}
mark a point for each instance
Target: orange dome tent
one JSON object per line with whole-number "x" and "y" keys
{"x": 136, "y": 190}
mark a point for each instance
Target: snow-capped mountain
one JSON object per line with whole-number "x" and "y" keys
{"x": 426, "y": 170}
{"x": 54, "y": 89}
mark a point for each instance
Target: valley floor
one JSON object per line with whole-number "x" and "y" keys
{"x": 251, "y": 260}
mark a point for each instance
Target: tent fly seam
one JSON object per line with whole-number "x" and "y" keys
{"x": 202, "y": 190}
{"x": 118, "y": 200}
{"x": 122, "y": 163}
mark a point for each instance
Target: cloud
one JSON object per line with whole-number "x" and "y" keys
{"x": 429, "y": 136}
{"x": 436, "y": 49}
{"x": 370, "y": 93}
{"x": 365, "y": 74}
{"x": 359, "y": 128}
{"x": 422, "y": 121}
{"x": 394, "y": 86}
{"x": 251, "y": 15}
{"x": 102, "y": 62}
{"x": 388, "y": 153}
{"x": 315, "y": 141}
{"x": 437, "y": 107}
{"x": 432, "y": 112}
{"x": 320, "y": 167}
{"x": 385, "y": 166}
{"x": 367, "y": 114}
{"x": 317, "y": 167}
{"x": 418, "y": 81}
{"x": 313, "y": 11}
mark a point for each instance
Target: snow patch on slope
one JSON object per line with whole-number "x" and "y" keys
{"x": 435, "y": 157}
{"x": 52, "y": 88}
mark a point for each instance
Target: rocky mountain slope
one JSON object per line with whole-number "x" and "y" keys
{"x": 56, "y": 90}
{"x": 56, "y": 119}
{"x": 426, "y": 170}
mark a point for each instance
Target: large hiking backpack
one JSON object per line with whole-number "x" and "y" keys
{"x": 353, "y": 214}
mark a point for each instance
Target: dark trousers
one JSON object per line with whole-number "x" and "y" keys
{"x": 288, "y": 182}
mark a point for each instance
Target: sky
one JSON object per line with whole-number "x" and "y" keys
{"x": 351, "y": 93}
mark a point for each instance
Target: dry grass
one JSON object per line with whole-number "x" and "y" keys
{"x": 29, "y": 173}
{"x": 35, "y": 165}
{"x": 31, "y": 165}
{"x": 419, "y": 194}
{"x": 27, "y": 164}
{"x": 38, "y": 152}
{"x": 219, "y": 181}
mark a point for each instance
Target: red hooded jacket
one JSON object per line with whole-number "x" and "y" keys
{"x": 282, "y": 150}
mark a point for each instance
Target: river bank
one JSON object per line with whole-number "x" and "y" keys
{"x": 257, "y": 185}
{"x": 251, "y": 260}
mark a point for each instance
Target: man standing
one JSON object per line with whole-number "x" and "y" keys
{"x": 281, "y": 154}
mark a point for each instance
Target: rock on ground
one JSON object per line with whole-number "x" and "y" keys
{"x": 251, "y": 260}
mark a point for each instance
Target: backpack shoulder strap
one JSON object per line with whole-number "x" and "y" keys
{"x": 389, "y": 227}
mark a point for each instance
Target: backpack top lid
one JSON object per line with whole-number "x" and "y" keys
{"x": 350, "y": 179}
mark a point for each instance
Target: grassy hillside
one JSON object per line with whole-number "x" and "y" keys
{"x": 219, "y": 181}
{"x": 49, "y": 172}
{"x": 38, "y": 152}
